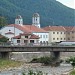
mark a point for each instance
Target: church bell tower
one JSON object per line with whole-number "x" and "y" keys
{"x": 19, "y": 20}
{"x": 36, "y": 20}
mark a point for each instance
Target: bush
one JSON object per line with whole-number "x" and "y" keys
{"x": 71, "y": 60}
{"x": 45, "y": 61}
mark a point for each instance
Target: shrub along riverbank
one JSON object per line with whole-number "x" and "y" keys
{"x": 5, "y": 64}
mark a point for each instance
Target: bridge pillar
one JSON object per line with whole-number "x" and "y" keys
{"x": 55, "y": 56}
{"x": 4, "y": 55}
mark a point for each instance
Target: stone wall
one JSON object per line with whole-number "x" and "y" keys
{"x": 28, "y": 56}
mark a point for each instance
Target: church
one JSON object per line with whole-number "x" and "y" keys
{"x": 20, "y": 33}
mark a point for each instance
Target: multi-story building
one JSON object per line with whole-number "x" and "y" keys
{"x": 70, "y": 33}
{"x": 25, "y": 39}
{"x": 60, "y": 33}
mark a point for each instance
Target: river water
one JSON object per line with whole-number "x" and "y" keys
{"x": 45, "y": 69}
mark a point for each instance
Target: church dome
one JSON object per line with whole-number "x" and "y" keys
{"x": 19, "y": 17}
{"x": 36, "y": 15}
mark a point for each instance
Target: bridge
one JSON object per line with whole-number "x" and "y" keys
{"x": 55, "y": 50}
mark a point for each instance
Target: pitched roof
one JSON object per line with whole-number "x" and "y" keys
{"x": 68, "y": 28}
{"x": 34, "y": 37}
{"x": 34, "y": 28}
{"x": 54, "y": 28}
{"x": 73, "y": 29}
{"x": 26, "y": 34}
{"x": 24, "y": 29}
{"x": 17, "y": 37}
{"x": 9, "y": 33}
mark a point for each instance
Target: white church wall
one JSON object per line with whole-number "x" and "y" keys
{"x": 10, "y": 29}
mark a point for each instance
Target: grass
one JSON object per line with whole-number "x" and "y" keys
{"x": 4, "y": 63}
{"x": 72, "y": 72}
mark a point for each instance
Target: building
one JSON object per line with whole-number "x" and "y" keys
{"x": 25, "y": 39}
{"x": 70, "y": 33}
{"x": 13, "y": 30}
{"x": 60, "y": 33}
{"x": 56, "y": 33}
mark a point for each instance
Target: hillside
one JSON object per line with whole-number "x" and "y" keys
{"x": 50, "y": 11}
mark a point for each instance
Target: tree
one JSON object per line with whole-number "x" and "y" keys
{"x": 3, "y": 39}
{"x": 3, "y": 22}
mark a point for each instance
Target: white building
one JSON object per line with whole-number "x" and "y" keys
{"x": 25, "y": 39}
{"x": 13, "y": 30}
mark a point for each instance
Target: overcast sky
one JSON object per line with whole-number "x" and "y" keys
{"x": 69, "y": 3}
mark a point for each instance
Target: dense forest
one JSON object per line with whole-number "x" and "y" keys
{"x": 51, "y": 11}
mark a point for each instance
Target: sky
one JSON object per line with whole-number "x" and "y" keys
{"x": 69, "y": 3}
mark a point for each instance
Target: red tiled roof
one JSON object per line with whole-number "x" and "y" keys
{"x": 54, "y": 28}
{"x": 68, "y": 28}
{"x": 27, "y": 28}
{"x": 25, "y": 34}
{"x": 24, "y": 29}
{"x": 9, "y": 33}
{"x": 34, "y": 37}
{"x": 73, "y": 29}
{"x": 34, "y": 28}
{"x": 17, "y": 37}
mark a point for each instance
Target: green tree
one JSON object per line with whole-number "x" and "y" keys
{"x": 3, "y": 39}
{"x": 3, "y": 22}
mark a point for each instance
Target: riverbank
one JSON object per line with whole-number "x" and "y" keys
{"x": 9, "y": 66}
{"x": 6, "y": 65}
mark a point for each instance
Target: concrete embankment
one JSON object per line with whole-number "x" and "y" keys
{"x": 28, "y": 56}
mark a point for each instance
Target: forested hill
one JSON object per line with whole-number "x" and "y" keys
{"x": 51, "y": 11}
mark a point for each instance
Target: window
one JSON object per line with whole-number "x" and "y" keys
{"x": 61, "y": 38}
{"x": 40, "y": 36}
{"x": 26, "y": 36}
{"x": 64, "y": 39}
{"x": 31, "y": 41}
{"x": 25, "y": 41}
{"x": 53, "y": 32}
{"x": 46, "y": 36}
{"x": 18, "y": 41}
{"x": 43, "y": 36}
{"x": 40, "y": 42}
{"x": 36, "y": 19}
{"x": 68, "y": 38}
{"x": 53, "y": 38}
{"x": 57, "y": 32}
{"x": 57, "y": 38}
{"x": 61, "y": 32}
{"x": 19, "y": 22}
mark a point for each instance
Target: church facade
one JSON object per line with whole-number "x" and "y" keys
{"x": 16, "y": 29}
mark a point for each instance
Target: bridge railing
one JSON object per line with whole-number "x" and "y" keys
{"x": 32, "y": 44}
{"x": 25, "y": 44}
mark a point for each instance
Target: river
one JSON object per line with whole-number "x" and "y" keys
{"x": 45, "y": 69}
